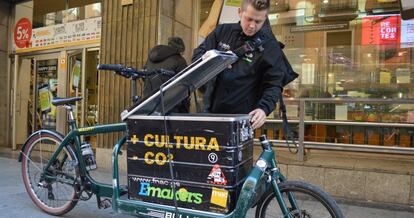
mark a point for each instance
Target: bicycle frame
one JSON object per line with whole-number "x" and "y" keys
{"x": 264, "y": 175}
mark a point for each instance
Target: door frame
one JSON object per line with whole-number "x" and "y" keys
{"x": 17, "y": 58}
{"x": 62, "y": 56}
{"x": 70, "y": 54}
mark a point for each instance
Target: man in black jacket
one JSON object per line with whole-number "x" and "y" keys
{"x": 168, "y": 57}
{"x": 251, "y": 85}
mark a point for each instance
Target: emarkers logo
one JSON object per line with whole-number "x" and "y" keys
{"x": 166, "y": 193}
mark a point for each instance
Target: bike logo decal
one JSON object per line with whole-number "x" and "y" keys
{"x": 86, "y": 129}
{"x": 216, "y": 176}
{"x": 164, "y": 214}
{"x": 240, "y": 156}
{"x": 179, "y": 215}
{"x": 219, "y": 197}
{"x": 212, "y": 157}
{"x": 166, "y": 193}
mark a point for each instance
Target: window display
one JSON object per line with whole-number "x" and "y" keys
{"x": 347, "y": 49}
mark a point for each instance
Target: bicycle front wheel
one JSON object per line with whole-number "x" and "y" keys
{"x": 309, "y": 201}
{"x": 54, "y": 191}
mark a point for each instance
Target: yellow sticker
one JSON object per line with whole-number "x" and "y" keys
{"x": 234, "y": 3}
{"x": 219, "y": 197}
{"x": 86, "y": 129}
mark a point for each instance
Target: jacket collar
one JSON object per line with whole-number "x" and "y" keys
{"x": 246, "y": 37}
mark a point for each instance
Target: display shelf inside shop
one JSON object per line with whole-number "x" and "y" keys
{"x": 388, "y": 86}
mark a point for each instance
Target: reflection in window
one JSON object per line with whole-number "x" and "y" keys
{"x": 47, "y": 12}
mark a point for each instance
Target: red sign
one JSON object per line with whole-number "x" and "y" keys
{"x": 23, "y": 33}
{"x": 381, "y": 30}
{"x": 216, "y": 176}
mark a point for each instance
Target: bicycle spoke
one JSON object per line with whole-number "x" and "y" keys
{"x": 52, "y": 190}
{"x": 30, "y": 160}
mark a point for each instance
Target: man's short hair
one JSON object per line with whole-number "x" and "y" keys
{"x": 259, "y": 5}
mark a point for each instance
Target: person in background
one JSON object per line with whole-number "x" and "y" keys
{"x": 254, "y": 83}
{"x": 168, "y": 57}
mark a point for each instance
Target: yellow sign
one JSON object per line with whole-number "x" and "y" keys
{"x": 219, "y": 197}
{"x": 44, "y": 99}
{"x": 234, "y": 3}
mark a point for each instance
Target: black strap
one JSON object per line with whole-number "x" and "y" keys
{"x": 285, "y": 126}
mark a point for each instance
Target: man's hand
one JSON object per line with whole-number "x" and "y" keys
{"x": 258, "y": 118}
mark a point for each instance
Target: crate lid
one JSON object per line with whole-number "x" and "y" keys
{"x": 181, "y": 85}
{"x": 193, "y": 117}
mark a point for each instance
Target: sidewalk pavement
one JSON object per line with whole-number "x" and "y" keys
{"x": 16, "y": 203}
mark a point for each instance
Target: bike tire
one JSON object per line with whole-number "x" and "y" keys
{"x": 43, "y": 193}
{"x": 307, "y": 194}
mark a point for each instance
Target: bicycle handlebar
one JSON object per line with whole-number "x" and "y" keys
{"x": 112, "y": 67}
{"x": 129, "y": 72}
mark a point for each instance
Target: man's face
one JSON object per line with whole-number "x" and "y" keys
{"x": 251, "y": 20}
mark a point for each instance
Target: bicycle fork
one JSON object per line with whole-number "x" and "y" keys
{"x": 274, "y": 177}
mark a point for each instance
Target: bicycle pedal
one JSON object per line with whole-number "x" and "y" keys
{"x": 105, "y": 204}
{"x": 42, "y": 185}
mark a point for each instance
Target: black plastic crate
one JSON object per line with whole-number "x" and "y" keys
{"x": 208, "y": 153}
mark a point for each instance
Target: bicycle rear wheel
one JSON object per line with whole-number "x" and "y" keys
{"x": 55, "y": 193}
{"x": 311, "y": 201}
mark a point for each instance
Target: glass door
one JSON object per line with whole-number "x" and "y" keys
{"x": 83, "y": 82}
{"x": 91, "y": 87}
{"x": 44, "y": 116}
{"x": 74, "y": 82}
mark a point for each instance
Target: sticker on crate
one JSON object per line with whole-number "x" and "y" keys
{"x": 219, "y": 197}
{"x": 212, "y": 157}
{"x": 216, "y": 176}
{"x": 162, "y": 192}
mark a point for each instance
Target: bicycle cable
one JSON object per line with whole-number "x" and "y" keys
{"x": 167, "y": 140}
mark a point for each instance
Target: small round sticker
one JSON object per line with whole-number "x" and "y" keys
{"x": 261, "y": 164}
{"x": 212, "y": 157}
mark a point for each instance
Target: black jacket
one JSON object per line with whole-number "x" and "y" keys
{"x": 254, "y": 81}
{"x": 167, "y": 58}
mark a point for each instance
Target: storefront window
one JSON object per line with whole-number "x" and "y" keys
{"x": 353, "y": 54}
{"x": 93, "y": 10}
{"x": 349, "y": 49}
{"x": 47, "y": 13}
{"x": 205, "y": 7}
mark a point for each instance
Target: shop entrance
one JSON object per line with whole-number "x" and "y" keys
{"x": 36, "y": 85}
{"x": 83, "y": 82}
{"x": 38, "y": 79}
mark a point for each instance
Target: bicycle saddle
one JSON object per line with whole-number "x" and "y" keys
{"x": 64, "y": 101}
